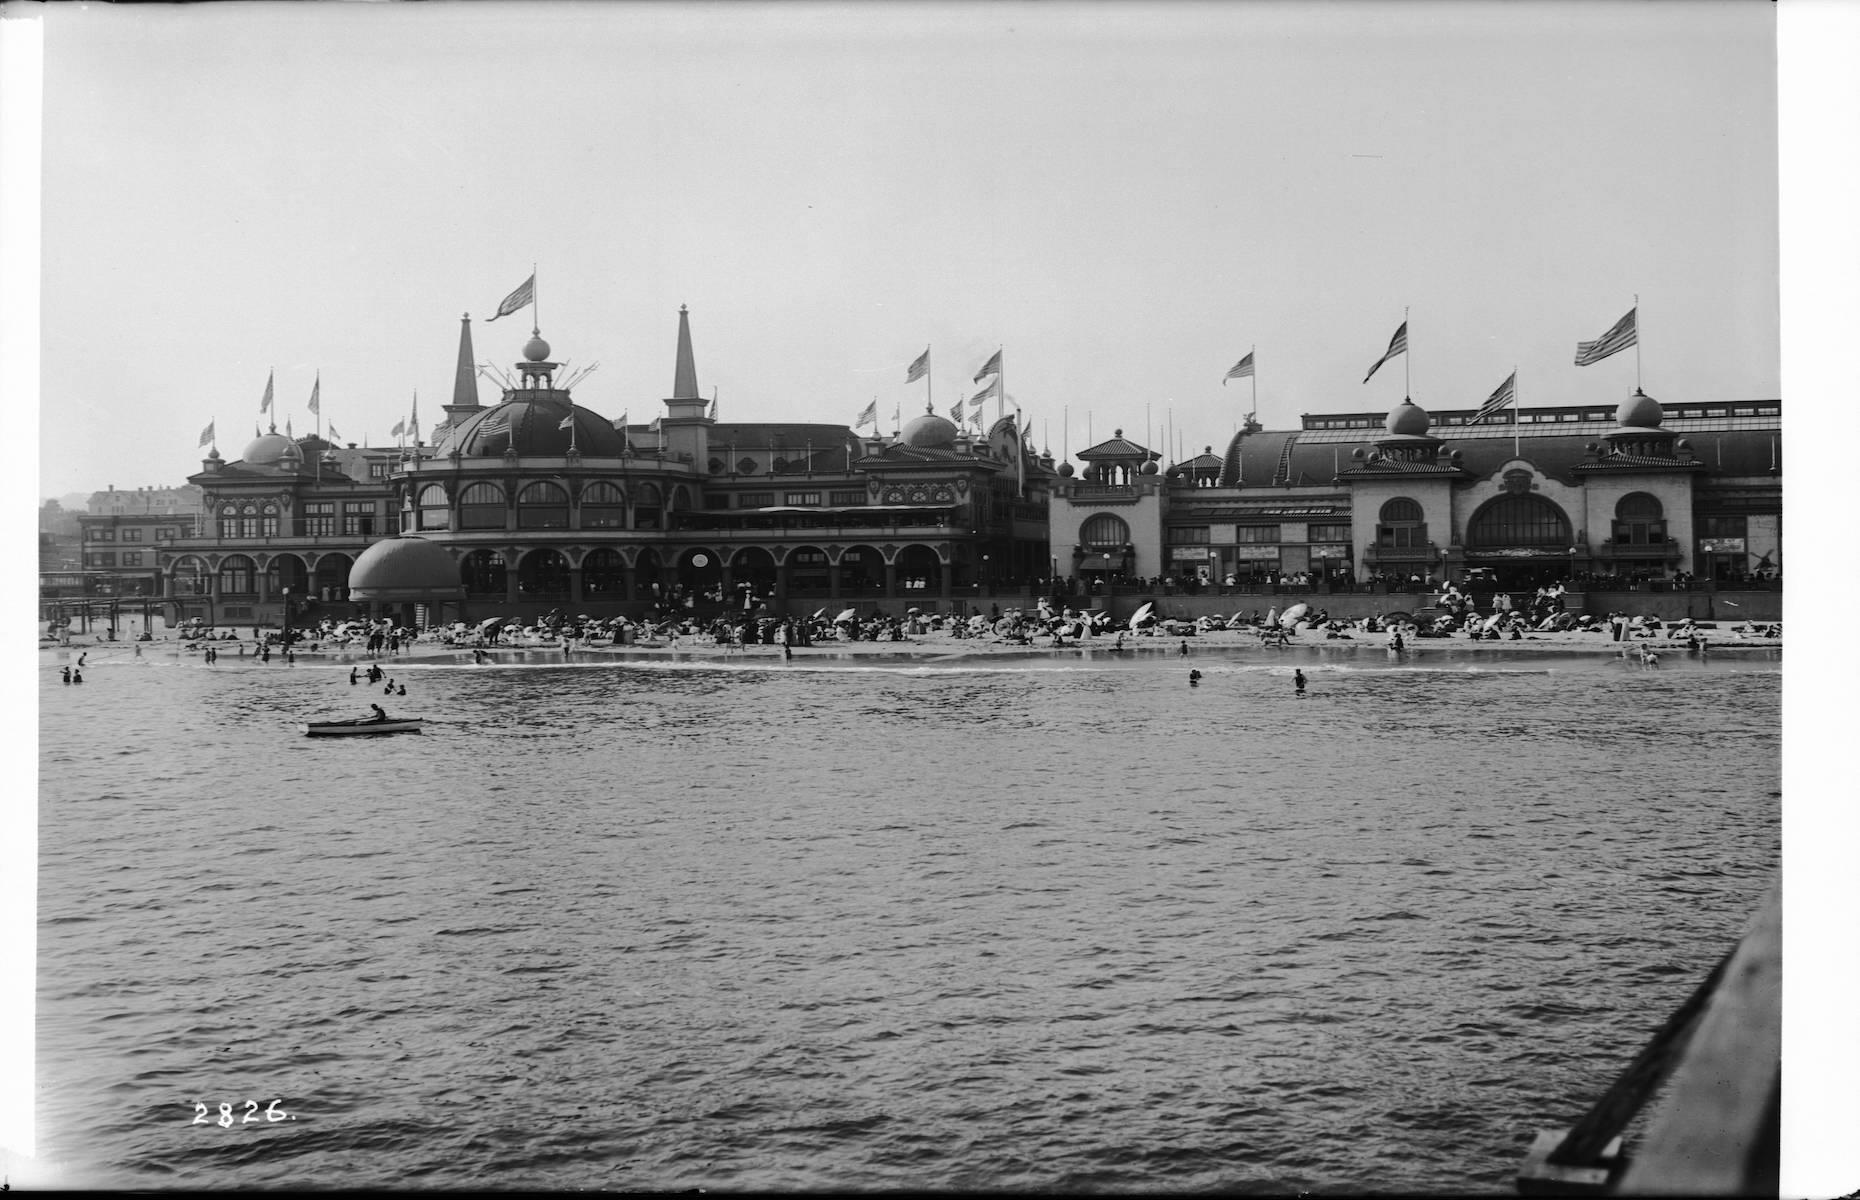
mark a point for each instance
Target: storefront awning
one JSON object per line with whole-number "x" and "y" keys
{"x": 1103, "y": 562}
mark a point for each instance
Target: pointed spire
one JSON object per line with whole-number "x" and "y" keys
{"x": 684, "y": 382}
{"x": 465, "y": 382}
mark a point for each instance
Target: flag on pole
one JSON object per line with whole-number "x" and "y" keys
{"x": 991, "y": 367}
{"x": 1506, "y": 393}
{"x": 265, "y": 404}
{"x": 316, "y": 394}
{"x": 1244, "y": 368}
{"x": 713, "y": 406}
{"x": 333, "y": 435}
{"x": 955, "y": 412}
{"x": 1617, "y": 339}
{"x": 400, "y": 428}
{"x": 525, "y": 294}
{"x": 918, "y": 369}
{"x": 495, "y": 423}
{"x": 568, "y": 422}
{"x": 206, "y": 435}
{"x": 1397, "y": 345}
{"x": 413, "y": 426}
{"x": 620, "y": 423}
{"x": 287, "y": 428}
{"x": 868, "y": 413}
{"x": 988, "y": 393}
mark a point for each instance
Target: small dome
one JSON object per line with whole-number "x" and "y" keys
{"x": 533, "y": 427}
{"x": 266, "y": 449}
{"x": 1359, "y": 454}
{"x": 403, "y": 564}
{"x": 213, "y": 453}
{"x": 536, "y": 350}
{"x": 929, "y": 431}
{"x": 1639, "y": 411}
{"x": 1150, "y": 468}
{"x": 1066, "y": 469}
{"x": 1407, "y": 419}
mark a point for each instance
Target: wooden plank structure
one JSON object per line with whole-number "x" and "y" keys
{"x": 1717, "y": 1133}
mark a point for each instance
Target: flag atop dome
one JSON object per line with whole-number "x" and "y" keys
{"x": 525, "y": 294}
{"x": 1397, "y": 345}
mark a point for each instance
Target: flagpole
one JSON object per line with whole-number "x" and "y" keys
{"x": 1407, "y": 357}
{"x": 1001, "y": 384}
{"x": 1637, "y": 341}
{"x": 1516, "y": 403}
{"x": 535, "y": 308}
{"x": 1253, "y": 353}
{"x": 929, "y": 391}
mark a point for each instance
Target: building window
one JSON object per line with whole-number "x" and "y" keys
{"x": 132, "y": 558}
{"x": 379, "y": 470}
{"x": 100, "y": 558}
{"x": 798, "y": 499}
{"x": 755, "y": 499}
{"x": 542, "y": 506}
{"x": 317, "y": 518}
{"x": 1638, "y": 520}
{"x": 1104, "y": 531}
{"x": 648, "y": 507}
{"x": 717, "y": 500}
{"x": 603, "y": 506}
{"x": 1724, "y": 527}
{"x": 238, "y": 577}
{"x": 1193, "y": 535}
{"x": 102, "y": 535}
{"x": 1256, "y": 534}
{"x": 483, "y": 571}
{"x": 481, "y": 506}
{"x": 132, "y": 535}
{"x": 1327, "y": 533}
{"x": 1519, "y": 522}
{"x": 847, "y": 499}
{"x": 1399, "y": 526}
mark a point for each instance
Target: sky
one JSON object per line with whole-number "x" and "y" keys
{"x": 1123, "y": 199}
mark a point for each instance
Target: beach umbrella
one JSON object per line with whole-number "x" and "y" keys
{"x": 489, "y": 622}
{"x": 818, "y": 613}
{"x": 848, "y": 615}
{"x": 1493, "y": 620}
{"x": 1136, "y": 618}
{"x": 1290, "y": 616}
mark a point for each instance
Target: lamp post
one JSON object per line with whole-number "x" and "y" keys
{"x": 287, "y": 620}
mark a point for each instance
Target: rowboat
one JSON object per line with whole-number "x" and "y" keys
{"x": 361, "y": 725}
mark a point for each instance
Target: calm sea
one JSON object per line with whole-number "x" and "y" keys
{"x": 1037, "y": 922}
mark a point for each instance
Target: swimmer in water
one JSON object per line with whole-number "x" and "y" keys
{"x": 1298, "y": 682}
{"x": 1194, "y": 679}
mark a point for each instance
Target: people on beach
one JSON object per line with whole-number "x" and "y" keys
{"x": 355, "y": 675}
{"x": 1194, "y": 679}
{"x": 77, "y": 676}
{"x": 66, "y": 673}
{"x": 1298, "y": 682}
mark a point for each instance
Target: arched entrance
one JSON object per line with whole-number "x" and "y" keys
{"x": 649, "y": 570}
{"x": 862, "y": 572}
{"x": 603, "y": 575}
{"x": 1524, "y": 540}
{"x": 542, "y": 576}
{"x": 752, "y": 571}
{"x": 485, "y": 575}
{"x": 287, "y": 571}
{"x": 920, "y": 572}
{"x": 700, "y": 573}
{"x": 808, "y": 571}
{"x": 331, "y": 579}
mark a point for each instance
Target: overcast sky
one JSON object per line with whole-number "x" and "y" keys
{"x": 1126, "y": 199}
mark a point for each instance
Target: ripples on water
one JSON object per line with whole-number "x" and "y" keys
{"x": 1035, "y": 923}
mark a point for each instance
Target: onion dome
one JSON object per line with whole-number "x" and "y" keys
{"x": 533, "y": 427}
{"x": 399, "y": 565}
{"x": 1150, "y": 468}
{"x": 1407, "y": 419}
{"x": 536, "y": 350}
{"x": 266, "y": 449}
{"x": 1067, "y": 470}
{"x": 929, "y": 431}
{"x": 1639, "y": 411}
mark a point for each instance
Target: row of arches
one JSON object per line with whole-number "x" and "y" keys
{"x": 548, "y": 573}
{"x": 1522, "y": 521}
{"x": 240, "y": 575}
{"x": 544, "y": 504}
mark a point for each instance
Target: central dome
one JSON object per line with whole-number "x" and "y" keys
{"x": 267, "y": 449}
{"x": 533, "y": 426}
{"x": 1639, "y": 411}
{"x": 929, "y": 431}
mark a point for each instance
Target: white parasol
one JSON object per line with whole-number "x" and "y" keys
{"x": 848, "y": 615}
{"x": 1137, "y": 618}
{"x": 1290, "y": 616}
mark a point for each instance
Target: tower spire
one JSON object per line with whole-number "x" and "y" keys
{"x": 684, "y": 381}
{"x": 465, "y": 382}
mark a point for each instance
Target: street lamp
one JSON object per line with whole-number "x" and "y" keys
{"x": 287, "y": 619}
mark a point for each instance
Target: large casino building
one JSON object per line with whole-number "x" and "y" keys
{"x": 536, "y": 504}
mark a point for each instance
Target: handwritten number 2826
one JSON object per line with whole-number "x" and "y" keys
{"x": 203, "y": 1115}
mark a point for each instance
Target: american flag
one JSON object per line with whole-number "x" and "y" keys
{"x": 567, "y": 422}
{"x": 1623, "y": 335}
{"x": 1242, "y": 369}
{"x": 991, "y": 367}
{"x": 987, "y": 393}
{"x": 1397, "y": 345}
{"x": 1506, "y": 393}
{"x": 917, "y": 371}
{"x": 955, "y": 412}
{"x": 525, "y": 293}
{"x": 265, "y": 404}
{"x": 495, "y": 423}
{"x": 870, "y": 413}
{"x": 316, "y": 394}
{"x": 333, "y": 435}
{"x": 206, "y": 435}
{"x": 400, "y": 428}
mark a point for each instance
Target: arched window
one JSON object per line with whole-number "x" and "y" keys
{"x": 1513, "y": 522}
{"x": 238, "y": 576}
{"x": 1401, "y": 524}
{"x": 542, "y": 506}
{"x": 1640, "y": 520}
{"x": 481, "y": 506}
{"x": 603, "y": 574}
{"x": 1104, "y": 531}
{"x": 603, "y": 506}
{"x": 646, "y": 511}
{"x": 190, "y": 577}
{"x": 482, "y": 572}
{"x": 435, "y": 511}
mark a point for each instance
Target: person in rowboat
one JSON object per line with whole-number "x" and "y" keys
{"x": 380, "y": 713}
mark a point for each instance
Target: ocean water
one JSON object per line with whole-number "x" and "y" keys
{"x": 1015, "y": 923}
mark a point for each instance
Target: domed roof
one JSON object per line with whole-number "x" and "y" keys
{"x": 266, "y": 449}
{"x": 1150, "y": 468}
{"x": 533, "y": 426}
{"x": 536, "y": 350}
{"x": 929, "y": 431}
{"x": 1067, "y": 469}
{"x": 403, "y": 564}
{"x": 1639, "y": 411}
{"x": 1407, "y": 419}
